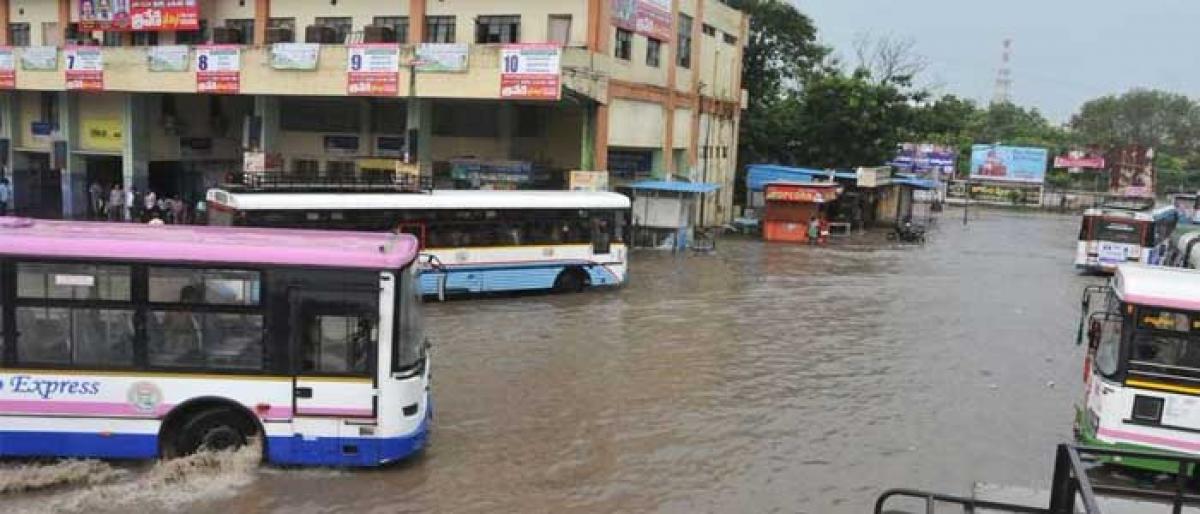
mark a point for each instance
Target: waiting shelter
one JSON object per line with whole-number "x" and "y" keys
{"x": 791, "y": 206}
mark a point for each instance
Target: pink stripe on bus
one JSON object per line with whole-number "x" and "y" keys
{"x": 1178, "y": 444}
{"x": 78, "y": 408}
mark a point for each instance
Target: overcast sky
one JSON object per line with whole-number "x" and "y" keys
{"x": 1064, "y": 51}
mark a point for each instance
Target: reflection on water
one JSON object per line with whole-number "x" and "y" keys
{"x": 767, "y": 378}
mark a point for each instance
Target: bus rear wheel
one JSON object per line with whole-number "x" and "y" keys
{"x": 571, "y": 280}
{"x": 213, "y": 429}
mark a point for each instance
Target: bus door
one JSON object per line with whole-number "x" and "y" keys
{"x": 417, "y": 230}
{"x": 334, "y": 339}
{"x": 602, "y": 230}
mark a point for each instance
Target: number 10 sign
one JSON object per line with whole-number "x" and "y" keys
{"x": 531, "y": 72}
{"x": 218, "y": 69}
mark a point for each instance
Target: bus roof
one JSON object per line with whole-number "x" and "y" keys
{"x": 1172, "y": 288}
{"x": 437, "y": 199}
{"x": 191, "y": 244}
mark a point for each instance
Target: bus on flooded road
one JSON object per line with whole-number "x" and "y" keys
{"x": 136, "y": 341}
{"x": 1142, "y": 370}
{"x": 485, "y": 241}
{"x": 1110, "y": 236}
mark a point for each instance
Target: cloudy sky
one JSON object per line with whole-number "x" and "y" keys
{"x": 1064, "y": 51}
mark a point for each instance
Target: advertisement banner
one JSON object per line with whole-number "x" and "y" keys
{"x": 39, "y": 58}
{"x": 926, "y": 160}
{"x": 1131, "y": 171}
{"x": 531, "y": 72}
{"x": 442, "y": 57}
{"x": 139, "y": 15}
{"x": 588, "y": 180}
{"x": 1008, "y": 163}
{"x": 650, "y": 18}
{"x": 801, "y": 194}
{"x": 85, "y": 68}
{"x": 102, "y": 135}
{"x": 995, "y": 193}
{"x": 8, "y": 68}
{"x": 168, "y": 58}
{"x": 218, "y": 69}
{"x": 373, "y": 69}
{"x": 295, "y": 56}
{"x": 1080, "y": 161}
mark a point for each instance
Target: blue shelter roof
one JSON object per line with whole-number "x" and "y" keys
{"x": 758, "y": 175}
{"x": 674, "y": 186}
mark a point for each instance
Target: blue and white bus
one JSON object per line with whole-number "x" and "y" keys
{"x": 485, "y": 241}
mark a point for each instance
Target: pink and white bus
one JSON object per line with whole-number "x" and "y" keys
{"x": 136, "y": 341}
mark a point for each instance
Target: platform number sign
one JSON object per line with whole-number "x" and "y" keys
{"x": 531, "y": 72}
{"x": 218, "y": 69}
{"x": 372, "y": 69}
{"x": 85, "y": 68}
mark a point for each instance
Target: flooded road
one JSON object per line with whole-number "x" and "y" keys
{"x": 764, "y": 378}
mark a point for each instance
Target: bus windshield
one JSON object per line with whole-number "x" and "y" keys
{"x": 410, "y": 337}
{"x": 1118, "y": 231}
{"x": 1166, "y": 338}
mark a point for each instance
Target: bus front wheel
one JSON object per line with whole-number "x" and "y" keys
{"x": 212, "y": 429}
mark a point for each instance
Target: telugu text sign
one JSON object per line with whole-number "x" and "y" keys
{"x": 373, "y": 69}
{"x": 1009, "y": 163}
{"x": 8, "y": 68}
{"x": 218, "y": 69}
{"x": 650, "y": 18}
{"x": 139, "y": 15}
{"x": 84, "y": 68}
{"x": 531, "y": 72}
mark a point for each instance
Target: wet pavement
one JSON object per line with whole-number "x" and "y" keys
{"x": 764, "y": 378}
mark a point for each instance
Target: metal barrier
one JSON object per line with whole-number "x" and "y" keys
{"x": 1071, "y": 488}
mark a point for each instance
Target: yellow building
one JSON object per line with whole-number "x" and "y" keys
{"x": 117, "y": 91}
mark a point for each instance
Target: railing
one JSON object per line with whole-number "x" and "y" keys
{"x": 1071, "y": 488}
{"x": 311, "y": 182}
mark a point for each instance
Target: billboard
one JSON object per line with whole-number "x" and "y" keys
{"x": 925, "y": 160}
{"x": 650, "y": 18}
{"x": 1008, "y": 163}
{"x": 531, "y": 72}
{"x": 1131, "y": 171}
{"x": 139, "y": 15}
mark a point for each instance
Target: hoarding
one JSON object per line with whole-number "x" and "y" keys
{"x": 1131, "y": 171}
{"x": 650, "y": 18}
{"x": 85, "y": 68}
{"x": 531, "y": 72}
{"x": 218, "y": 69}
{"x": 139, "y": 15}
{"x": 373, "y": 69}
{"x": 442, "y": 57}
{"x": 926, "y": 160}
{"x": 1008, "y": 163}
{"x": 995, "y": 193}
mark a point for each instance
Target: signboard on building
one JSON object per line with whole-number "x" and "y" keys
{"x": 1131, "y": 171}
{"x": 531, "y": 72}
{"x": 801, "y": 193}
{"x": 588, "y": 181}
{"x": 442, "y": 57}
{"x": 295, "y": 56}
{"x": 630, "y": 164}
{"x": 8, "y": 68}
{"x": 925, "y": 160}
{"x": 103, "y": 135}
{"x": 39, "y": 58}
{"x": 261, "y": 162}
{"x": 168, "y": 58}
{"x": 373, "y": 69}
{"x": 1008, "y": 163}
{"x": 218, "y": 69}
{"x": 650, "y": 18}
{"x": 139, "y": 15}
{"x": 85, "y": 68}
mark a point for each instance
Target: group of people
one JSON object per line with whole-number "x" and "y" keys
{"x": 131, "y": 205}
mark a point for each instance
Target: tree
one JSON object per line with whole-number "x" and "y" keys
{"x": 889, "y": 57}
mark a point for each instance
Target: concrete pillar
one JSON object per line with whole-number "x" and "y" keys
{"x": 365, "y": 145}
{"x": 425, "y": 136}
{"x": 262, "y": 15}
{"x": 64, "y": 21}
{"x": 587, "y": 147}
{"x": 9, "y": 119}
{"x": 73, "y": 173}
{"x": 416, "y": 22}
{"x": 601, "y": 130}
{"x": 135, "y": 133}
{"x": 266, "y": 109}
{"x": 4, "y": 19}
{"x": 507, "y": 120}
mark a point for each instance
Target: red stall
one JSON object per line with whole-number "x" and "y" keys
{"x": 790, "y": 206}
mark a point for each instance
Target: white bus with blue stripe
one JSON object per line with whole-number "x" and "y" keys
{"x": 484, "y": 241}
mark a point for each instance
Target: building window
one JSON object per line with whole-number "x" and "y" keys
{"x": 439, "y": 29}
{"x": 653, "y": 52}
{"x": 339, "y": 170}
{"x": 195, "y": 37}
{"x": 308, "y": 168}
{"x": 684, "y": 38}
{"x": 709, "y": 30}
{"x": 145, "y": 39}
{"x": 281, "y": 30}
{"x": 18, "y": 34}
{"x": 398, "y": 24}
{"x": 51, "y": 36}
{"x": 497, "y": 29}
{"x": 245, "y": 28}
{"x": 113, "y": 39}
{"x": 730, "y": 39}
{"x": 340, "y": 24}
{"x": 560, "y": 29}
{"x": 624, "y": 47}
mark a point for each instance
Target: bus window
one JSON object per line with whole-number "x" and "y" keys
{"x": 408, "y": 349}
{"x": 335, "y": 331}
{"x": 216, "y": 340}
{"x": 1119, "y": 232}
{"x": 601, "y": 234}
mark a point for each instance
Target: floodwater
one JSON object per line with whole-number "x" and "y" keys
{"x": 764, "y": 378}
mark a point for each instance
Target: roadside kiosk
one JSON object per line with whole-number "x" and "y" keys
{"x": 790, "y": 206}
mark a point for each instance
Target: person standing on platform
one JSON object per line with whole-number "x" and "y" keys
{"x": 150, "y": 204}
{"x": 95, "y": 200}
{"x": 5, "y": 196}
{"x": 116, "y": 203}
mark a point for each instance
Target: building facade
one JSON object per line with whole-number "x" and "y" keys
{"x": 479, "y": 93}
